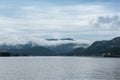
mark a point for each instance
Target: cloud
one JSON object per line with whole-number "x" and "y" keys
{"x": 107, "y": 22}
{"x": 81, "y": 21}
{"x": 20, "y": 39}
{"x": 53, "y": 18}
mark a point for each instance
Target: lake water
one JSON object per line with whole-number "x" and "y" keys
{"x": 59, "y": 68}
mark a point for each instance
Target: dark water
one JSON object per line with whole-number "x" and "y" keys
{"x": 59, "y": 68}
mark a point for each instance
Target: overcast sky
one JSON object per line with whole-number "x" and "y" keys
{"x": 78, "y": 19}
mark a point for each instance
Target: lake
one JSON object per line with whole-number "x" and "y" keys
{"x": 59, "y": 68}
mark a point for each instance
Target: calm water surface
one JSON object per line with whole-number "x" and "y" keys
{"x": 59, "y": 68}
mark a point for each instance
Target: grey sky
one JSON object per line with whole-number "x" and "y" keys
{"x": 79, "y": 19}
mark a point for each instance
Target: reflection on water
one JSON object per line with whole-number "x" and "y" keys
{"x": 59, "y": 68}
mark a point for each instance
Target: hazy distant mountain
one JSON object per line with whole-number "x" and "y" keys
{"x": 67, "y": 47}
{"x": 67, "y": 39}
{"x": 107, "y": 48}
{"x": 34, "y": 49}
{"x": 77, "y": 52}
{"x": 52, "y": 39}
{"x": 63, "y": 39}
{"x": 17, "y": 46}
{"x": 30, "y": 48}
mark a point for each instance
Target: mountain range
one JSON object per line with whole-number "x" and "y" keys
{"x": 61, "y": 46}
{"x": 105, "y": 48}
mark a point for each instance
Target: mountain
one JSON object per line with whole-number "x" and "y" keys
{"x": 100, "y": 48}
{"x": 62, "y": 39}
{"x": 17, "y": 46}
{"x": 67, "y": 47}
{"x": 112, "y": 52}
{"x": 67, "y": 39}
{"x": 106, "y": 48}
{"x": 77, "y": 52}
{"x": 29, "y": 48}
{"x": 34, "y": 49}
{"x": 52, "y": 39}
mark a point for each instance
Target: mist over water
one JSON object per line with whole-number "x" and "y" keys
{"x": 59, "y": 68}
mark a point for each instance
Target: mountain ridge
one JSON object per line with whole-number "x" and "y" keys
{"x": 104, "y": 48}
{"x": 100, "y": 48}
{"x": 34, "y": 49}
